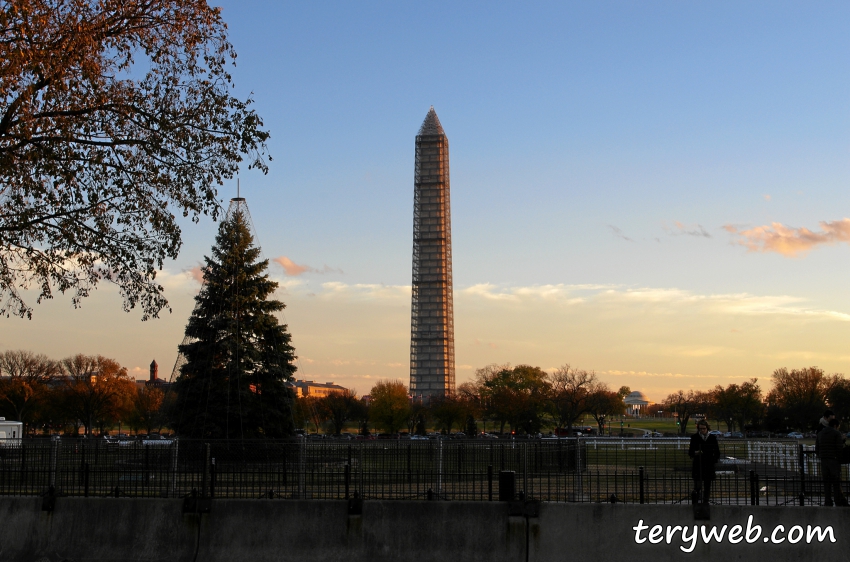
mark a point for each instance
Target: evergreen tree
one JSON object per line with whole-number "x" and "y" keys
{"x": 233, "y": 382}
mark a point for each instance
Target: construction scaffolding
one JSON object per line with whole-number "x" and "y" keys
{"x": 432, "y": 358}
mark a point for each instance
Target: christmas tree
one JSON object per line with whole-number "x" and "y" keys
{"x": 237, "y": 355}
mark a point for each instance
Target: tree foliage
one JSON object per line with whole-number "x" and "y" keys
{"x": 570, "y": 390}
{"x": 147, "y": 412}
{"x": 801, "y": 394}
{"x": 339, "y": 408}
{"x": 24, "y": 386}
{"x": 516, "y": 396}
{"x": 737, "y": 405}
{"x": 116, "y": 116}
{"x": 95, "y": 390}
{"x": 602, "y": 403}
{"x": 233, "y": 382}
{"x": 389, "y": 407}
{"x": 684, "y": 405}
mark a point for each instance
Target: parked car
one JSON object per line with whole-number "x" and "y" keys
{"x": 716, "y": 433}
{"x": 795, "y": 435}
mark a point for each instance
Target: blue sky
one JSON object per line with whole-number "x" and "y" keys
{"x": 628, "y": 184}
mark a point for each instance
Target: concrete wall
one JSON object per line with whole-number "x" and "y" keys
{"x": 106, "y": 530}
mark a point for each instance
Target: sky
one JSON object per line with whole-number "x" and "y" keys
{"x": 654, "y": 191}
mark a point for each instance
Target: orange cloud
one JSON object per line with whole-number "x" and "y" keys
{"x": 293, "y": 269}
{"x": 197, "y": 274}
{"x": 791, "y": 241}
{"x": 290, "y": 267}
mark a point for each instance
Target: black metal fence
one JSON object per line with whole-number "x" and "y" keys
{"x": 580, "y": 469}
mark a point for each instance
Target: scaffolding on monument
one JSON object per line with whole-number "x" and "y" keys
{"x": 432, "y": 360}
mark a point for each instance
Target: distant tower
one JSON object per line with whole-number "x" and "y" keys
{"x": 154, "y": 372}
{"x": 432, "y": 339}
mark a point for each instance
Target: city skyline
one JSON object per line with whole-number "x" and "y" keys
{"x": 657, "y": 192}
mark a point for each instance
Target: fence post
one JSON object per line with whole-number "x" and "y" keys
{"x": 212, "y": 478}
{"x": 438, "y": 491}
{"x": 801, "y": 457}
{"x": 23, "y": 463}
{"x": 579, "y": 473}
{"x": 640, "y": 476}
{"x": 206, "y": 470}
{"x": 302, "y": 463}
{"x": 360, "y": 470}
{"x": 754, "y": 488}
{"x": 526, "y": 447}
{"x": 54, "y": 454}
{"x": 490, "y": 482}
{"x": 174, "y": 445}
{"x": 347, "y": 478}
{"x": 86, "y": 480}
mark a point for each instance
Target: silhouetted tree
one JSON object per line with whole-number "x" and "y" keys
{"x": 233, "y": 382}
{"x": 801, "y": 395}
{"x": 389, "y": 407}
{"x": 517, "y": 395}
{"x": 116, "y": 118}
{"x": 24, "y": 387}
{"x": 339, "y": 408}
{"x": 685, "y": 405}
{"x": 569, "y": 392}
{"x": 94, "y": 390}
{"x": 602, "y": 403}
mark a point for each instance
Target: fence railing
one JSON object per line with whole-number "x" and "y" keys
{"x": 652, "y": 470}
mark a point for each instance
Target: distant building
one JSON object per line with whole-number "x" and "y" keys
{"x": 637, "y": 403}
{"x": 315, "y": 389}
{"x": 153, "y": 379}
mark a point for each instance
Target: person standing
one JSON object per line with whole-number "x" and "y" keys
{"x": 824, "y": 421}
{"x": 828, "y": 447}
{"x": 706, "y": 452}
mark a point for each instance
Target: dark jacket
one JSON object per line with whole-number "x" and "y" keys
{"x": 703, "y": 467}
{"x": 829, "y": 443}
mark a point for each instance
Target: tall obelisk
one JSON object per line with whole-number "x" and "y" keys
{"x": 432, "y": 341}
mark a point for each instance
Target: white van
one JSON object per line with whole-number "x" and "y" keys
{"x": 11, "y": 432}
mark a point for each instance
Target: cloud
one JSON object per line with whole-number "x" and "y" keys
{"x": 690, "y": 231}
{"x": 293, "y": 269}
{"x": 617, "y": 373}
{"x": 619, "y": 233}
{"x": 652, "y": 300}
{"x": 197, "y": 274}
{"x": 790, "y": 242}
{"x": 362, "y": 291}
{"x": 565, "y": 294}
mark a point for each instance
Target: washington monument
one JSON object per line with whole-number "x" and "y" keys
{"x": 432, "y": 340}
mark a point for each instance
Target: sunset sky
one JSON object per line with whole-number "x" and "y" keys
{"x": 657, "y": 191}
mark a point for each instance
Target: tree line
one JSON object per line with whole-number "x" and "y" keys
{"x": 526, "y": 399}
{"x": 91, "y": 392}
{"x": 796, "y": 402}
{"x": 523, "y": 399}
{"x": 94, "y": 393}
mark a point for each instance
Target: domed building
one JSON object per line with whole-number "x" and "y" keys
{"x": 637, "y": 403}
